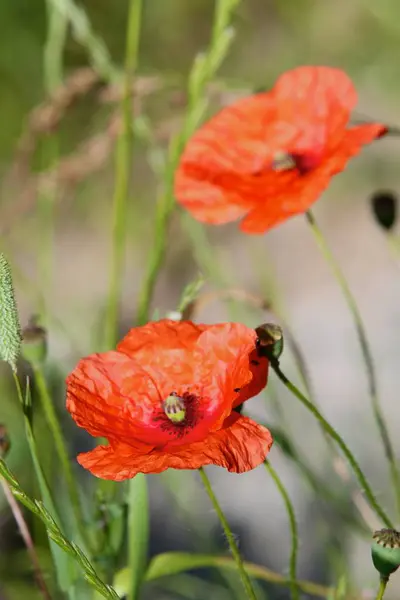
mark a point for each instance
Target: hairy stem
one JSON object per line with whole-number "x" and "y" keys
{"x": 294, "y": 589}
{"x": 366, "y": 352}
{"x": 382, "y": 588}
{"x": 338, "y": 440}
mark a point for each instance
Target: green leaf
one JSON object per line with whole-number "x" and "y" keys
{"x": 138, "y": 524}
{"x": 172, "y": 563}
{"x": 10, "y": 330}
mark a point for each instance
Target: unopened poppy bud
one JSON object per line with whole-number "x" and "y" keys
{"x": 34, "y": 343}
{"x": 270, "y": 340}
{"x": 384, "y": 207}
{"x": 4, "y": 441}
{"x": 385, "y": 551}
{"x": 174, "y": 408}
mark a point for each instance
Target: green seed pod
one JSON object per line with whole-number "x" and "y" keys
{"x": 174, "y": 408}
{"x": 385, "y": 551}
{"x": 270, "y": 340}
{"x": 10, "y": 331}
{"x": 4, "y": 441}
{"x": 34, "y": 343}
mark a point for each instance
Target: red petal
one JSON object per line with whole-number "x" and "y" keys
{"x": 263, "y": 218}
{"x": 207, "y": 202}
{"x": 211, "y": 178}
{"x": 227, "y": 167}
{"x": 240, "y": 446}
{"x": 94, "y": 398}
{"x": 293, "y": 197}
{"x": 295, "y": 193}
{"x": 111, "y": 395}
{"x": 318, "y": 100}
{"x": 352, "y": 142}
{"x": 234, "y": 344}
{"x": 166, "y": 345}
{"x": 166, "y": 334}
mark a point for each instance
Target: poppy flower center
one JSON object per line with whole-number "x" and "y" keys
{"x": 174, "y": 408}
{"x": 305, "y": 162}
{"x": 179, "y": 414}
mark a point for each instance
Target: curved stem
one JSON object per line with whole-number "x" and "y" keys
{"x": 122, "y": 172}
{"x": 294, "y": 588}
{"x": 366, "y": 352}
{"x": 229, "y": 536}
{"x": 338, "y": 440}
{"x": 382, "y": 588}
{"x": 61, "y": 449}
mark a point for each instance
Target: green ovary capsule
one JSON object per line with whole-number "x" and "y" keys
{"x": 385, "y": 551}
{"x": 174, "y": 408}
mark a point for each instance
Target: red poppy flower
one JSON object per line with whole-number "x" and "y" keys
{"x": 165, "y": 399}
{"x": 269, "y": 156}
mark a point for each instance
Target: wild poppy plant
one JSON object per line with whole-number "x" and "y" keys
{"x": 269, "y": 156}
{"x": 166, "y": 398}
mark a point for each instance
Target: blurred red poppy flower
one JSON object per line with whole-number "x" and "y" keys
{"x": 269, "y": 156}
{"x": 166, "y": 397}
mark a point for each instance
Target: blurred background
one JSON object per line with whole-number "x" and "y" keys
{"x": 58, "y": 128}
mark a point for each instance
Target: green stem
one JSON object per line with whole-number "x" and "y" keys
{"x": 203, "y": 69}
{"x": 366, "y": 352}
{"x": 229, "y": 536}
{"x": 138, "y": 532}
{"x": 382, "y": 588}
{"x": 53, "y": 77}
{"x": 123, "y": 168}
{"x": 338, "y": 440}
{"x": 294, "y": 588}
{"x": 62, "y": 452}
{"x": 54, "y": 48}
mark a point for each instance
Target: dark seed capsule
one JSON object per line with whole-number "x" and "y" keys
{"x": 385, "y": 551}
{"x": 384, "y": 208}
{"x": 270, "y": 340}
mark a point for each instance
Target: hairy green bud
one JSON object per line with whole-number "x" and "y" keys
{"x": 10, "y": 330}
